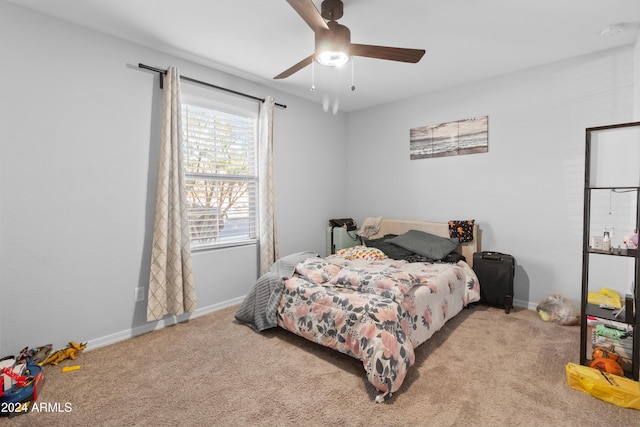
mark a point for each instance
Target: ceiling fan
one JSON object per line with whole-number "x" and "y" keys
{"x": 333, "y": 41}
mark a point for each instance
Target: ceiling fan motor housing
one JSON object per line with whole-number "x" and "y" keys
{"x": 331, "y": 10}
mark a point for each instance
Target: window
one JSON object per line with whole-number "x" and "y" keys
{"x": 220, "y": 159}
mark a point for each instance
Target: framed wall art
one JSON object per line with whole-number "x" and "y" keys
{"x": 468, "y": 136}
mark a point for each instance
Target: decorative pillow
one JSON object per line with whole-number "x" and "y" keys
{"x": 461, "y": 230}
{"x": 425, "y": 244}
{"x": 389, "y": 249}
{"x": 318, "y": 270}
{"x": 361, "y": 252}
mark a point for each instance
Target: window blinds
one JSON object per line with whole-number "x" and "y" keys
{"x": 220, "y": 151}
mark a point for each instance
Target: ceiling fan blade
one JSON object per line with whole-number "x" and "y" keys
{"x": 310, "y": 14}
{"x": 299, "y": 66}
{"x": 390, "y": 53}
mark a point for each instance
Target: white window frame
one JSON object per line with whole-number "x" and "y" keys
{"x": 201, "y": 223}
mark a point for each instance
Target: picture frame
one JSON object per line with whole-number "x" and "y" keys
{"x": 468, "y": 136}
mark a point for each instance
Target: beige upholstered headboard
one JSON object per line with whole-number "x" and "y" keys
{"x": 400, "y": 226}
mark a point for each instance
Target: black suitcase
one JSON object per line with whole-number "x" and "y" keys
{"x": 495, "y": 273}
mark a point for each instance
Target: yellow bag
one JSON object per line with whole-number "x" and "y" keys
{"x": 614, "y": 389}
{"x": 606, "y": 297}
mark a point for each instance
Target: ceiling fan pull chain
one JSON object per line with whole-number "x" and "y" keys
{"x": 313, "y": 77}
{"x": 610, "y": 193}
{"x": 352, "y": 86}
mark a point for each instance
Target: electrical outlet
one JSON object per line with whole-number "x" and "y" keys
{"x": 138, "y": 294}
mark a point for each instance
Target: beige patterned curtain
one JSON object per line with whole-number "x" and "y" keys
{"x": 171, "y": 287}
{"x": 267, "y": 210}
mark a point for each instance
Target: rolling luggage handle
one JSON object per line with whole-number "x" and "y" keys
{"x": 492, "y": 256}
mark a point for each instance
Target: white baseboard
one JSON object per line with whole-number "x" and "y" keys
{"x": 159, "y": 324}
{"x": 525, "y": 304}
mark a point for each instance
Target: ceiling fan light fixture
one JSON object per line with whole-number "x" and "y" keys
{"x": 332, "y": 58}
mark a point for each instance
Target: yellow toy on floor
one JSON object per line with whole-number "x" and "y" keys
{"x": 614, "y": 389}
{"x": 66, "y": 353}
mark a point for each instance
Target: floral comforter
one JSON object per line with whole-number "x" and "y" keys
{"x": 376, "y": 311}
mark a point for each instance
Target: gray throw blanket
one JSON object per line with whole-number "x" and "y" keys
{"x": 258, "y": 310}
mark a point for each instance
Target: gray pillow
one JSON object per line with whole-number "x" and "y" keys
{"x": 425, "y": 244}
{"x": 389, "y": 249}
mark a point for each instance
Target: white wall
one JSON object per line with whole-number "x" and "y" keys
{"x": 527, "y": 191}
{"x": 78, "y": 157}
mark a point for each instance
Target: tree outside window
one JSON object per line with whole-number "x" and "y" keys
{"x": 221, "y": 176}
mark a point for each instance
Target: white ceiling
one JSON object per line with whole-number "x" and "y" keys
{"x": 465, "y": 40}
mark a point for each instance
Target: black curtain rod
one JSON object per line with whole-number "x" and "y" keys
{"x": 189, "y": 79}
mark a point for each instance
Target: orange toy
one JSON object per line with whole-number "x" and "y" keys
{"x": 607, "y": 353}
{"x": 610, "y": 366}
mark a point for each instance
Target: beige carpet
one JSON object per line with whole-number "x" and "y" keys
{"x": 484, "y": 368}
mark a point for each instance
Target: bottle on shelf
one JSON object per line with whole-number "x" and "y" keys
{"x": 606, "y": 242}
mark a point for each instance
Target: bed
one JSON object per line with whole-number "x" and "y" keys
{"x": 367, "y": 305}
